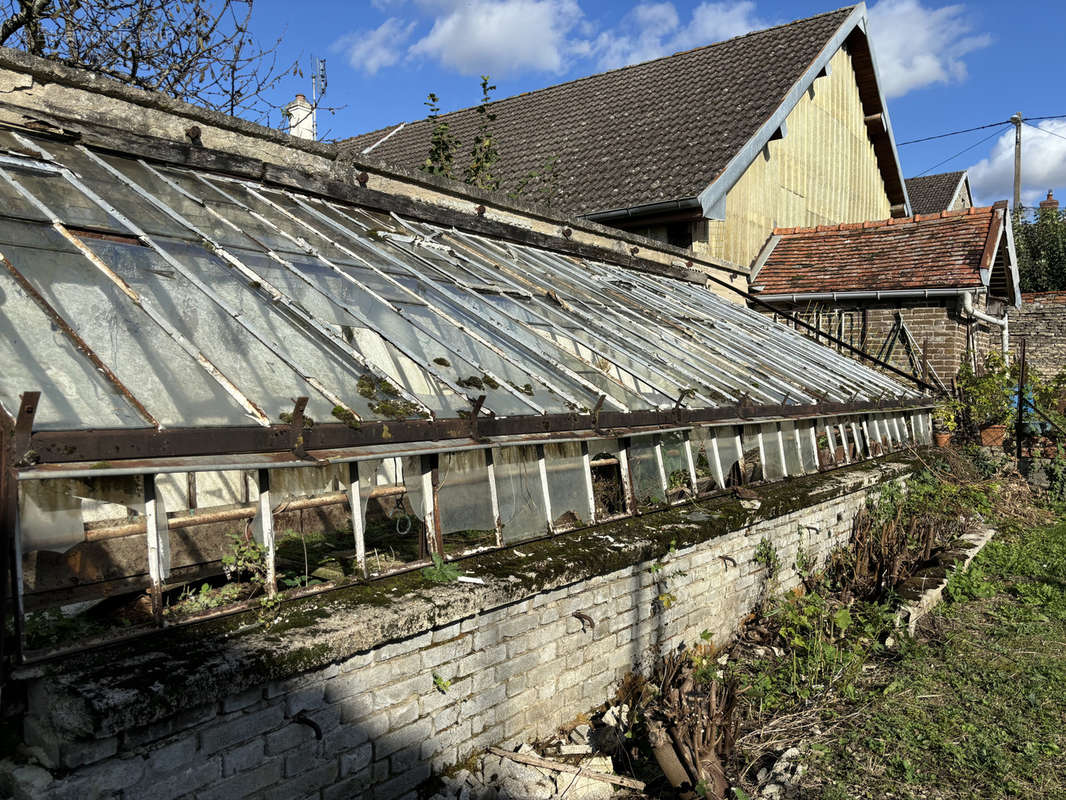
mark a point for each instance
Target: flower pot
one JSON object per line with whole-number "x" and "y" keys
{"x": 941, "y": 439}
{"x": 993, "y": 435}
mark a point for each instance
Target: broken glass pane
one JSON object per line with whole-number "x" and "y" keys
{"x": 703, "y": 457}
{"x": 607, "y": 483}
{"x": 394, "y": 533}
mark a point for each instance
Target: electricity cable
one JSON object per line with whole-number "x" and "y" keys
{"x": 964, "y": 150}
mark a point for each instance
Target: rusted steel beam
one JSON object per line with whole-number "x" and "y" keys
{"x": 94, "y": 446}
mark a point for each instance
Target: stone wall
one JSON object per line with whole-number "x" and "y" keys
{"x": 366, "y": 694}
{"x": 1042, "y": 323}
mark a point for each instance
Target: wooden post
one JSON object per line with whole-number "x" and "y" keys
{"x": 355, "y": 503}
{"x": 1019, "y": 424}
{"x": 157, "y": 535}
{"x": 264, "y": 529}
{"x": 925, "y": 360}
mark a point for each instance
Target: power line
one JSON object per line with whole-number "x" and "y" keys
{"x": 1043, "y": 130}
{"x": 966, "y": 149}
{"x": 956, "y": 133}
{"x": 978, "y": 128}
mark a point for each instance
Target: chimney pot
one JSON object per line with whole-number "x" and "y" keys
{"x": 1050, "y": 203}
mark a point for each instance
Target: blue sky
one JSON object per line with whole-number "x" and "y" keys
{"x": 944, "y": 67}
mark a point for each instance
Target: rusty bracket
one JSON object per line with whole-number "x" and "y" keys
{"x": 297, "y": 425}
{"x": 596, "y": 413}
{"x": 24, "y": 430}
{"x": 475, "y": 412}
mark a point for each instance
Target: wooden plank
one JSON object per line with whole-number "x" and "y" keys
{"x": 557, "y": 766}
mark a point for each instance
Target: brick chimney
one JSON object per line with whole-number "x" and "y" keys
{"x": 301, "y": 118}
{"x": 1051, "y": 204}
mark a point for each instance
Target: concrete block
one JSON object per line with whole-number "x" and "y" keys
{"x": 244, "y": 783}
{"x": 240, "y": 728}
{"x": 241, "y": 700}
{"x": 241, "y": 758}
{"x": 173, "y": 755}
{"x": 357, "y": 760}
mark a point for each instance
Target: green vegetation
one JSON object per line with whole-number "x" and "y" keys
{"x": 441, "y": 571}
{"x": 440, "y": 684}
{"x": 1040, "y": 239}
{"x": 974, "y": 706}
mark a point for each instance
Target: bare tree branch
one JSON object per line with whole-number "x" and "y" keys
{"x": 201, "y": 51}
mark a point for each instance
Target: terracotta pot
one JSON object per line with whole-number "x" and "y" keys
{"x": 993, "y": 435}
{"x": 941, "y": 439}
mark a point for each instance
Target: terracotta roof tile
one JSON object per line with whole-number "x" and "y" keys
{"x": 942, "y": 250}
{"x": 652, "y": 132}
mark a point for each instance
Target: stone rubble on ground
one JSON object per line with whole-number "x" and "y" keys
{"x": 496, "y": 778}
{"x": 781, "y": 781}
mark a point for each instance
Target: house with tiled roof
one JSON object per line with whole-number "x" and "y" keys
{"x": 924, "y": 293}
{"x": 711, "y": 148}
{"x": 944, "y": 191}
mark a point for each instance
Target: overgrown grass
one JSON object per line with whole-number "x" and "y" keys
{"x": 975, "y": 706}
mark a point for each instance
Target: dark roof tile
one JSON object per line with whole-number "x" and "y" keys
{"x": 932, "y": 193}
{"x": 627, "y": 137}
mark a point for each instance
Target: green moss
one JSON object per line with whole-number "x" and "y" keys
{"x": 396, "y": 409}
{"x": 442, "y": 362}
{"x": 101, "y": 465}
{"x": 286, "y": 417}
{"x": 472, "y": 382}
{"x": 365, "y": 387}
{"x": 525, "y": 388}
{"x": 489, "y": 381}
{"x": 346, "y": 416}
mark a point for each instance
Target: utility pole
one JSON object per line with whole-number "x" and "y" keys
{"x": 1017, "y": 120}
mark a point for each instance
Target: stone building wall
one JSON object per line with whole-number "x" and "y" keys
{"x": 1042, "y": 323}
{"x": 389, "y": 687}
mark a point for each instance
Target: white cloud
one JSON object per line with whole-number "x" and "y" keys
{"x": 371, "y": 50}
{"x": 651, "y": 30}
{"x": 917, "y": 46}
{"x": 1043, "y": 164}
{"x": 502, "y": 37}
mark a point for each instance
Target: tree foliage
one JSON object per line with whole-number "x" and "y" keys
{"x": 200, "y": 51}
{"x": 1040, "y": 242}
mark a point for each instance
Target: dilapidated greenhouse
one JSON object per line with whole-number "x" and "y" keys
{"x": 343, "y": 374}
